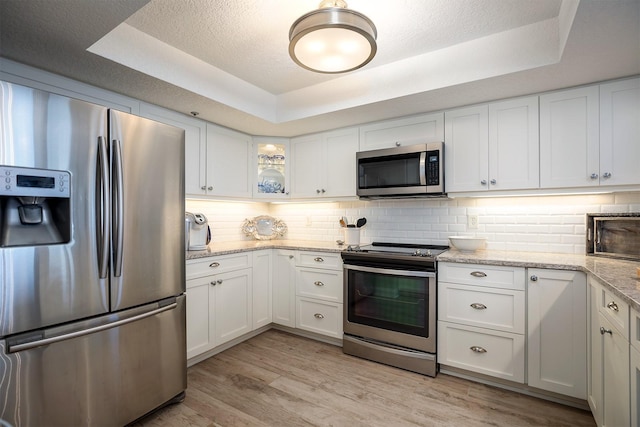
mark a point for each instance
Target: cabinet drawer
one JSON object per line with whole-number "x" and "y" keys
{"x": 482, "y": 275}
{"x": 493, "y": 353}
{"x": 493, "y": 308}
{"x": 320, "y": 317}
{"x": 615, "y": 310}
{"x": 634, "y": 336}
{"x": 216, "y": 265}
{"x": 327, "y": 260}
{"x": 315, "y": 283}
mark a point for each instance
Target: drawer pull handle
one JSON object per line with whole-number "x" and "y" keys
{"x": 478, "y": 274}
{"x": 605, "y": 331}
{"x": 318, "y": 259}
{"x": 318, "y": 283}
{"x": 214, "y": 264}
{"x": 318, "y": 316}
{"x": 613, "y": 306}
{"x": 478, "y": 306}
{"x": 477, "y": 349}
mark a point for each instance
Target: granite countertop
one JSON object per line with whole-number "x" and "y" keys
{"x": 619, "y": 275}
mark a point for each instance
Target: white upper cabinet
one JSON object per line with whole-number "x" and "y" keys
{"x": 569, "y": 148}
{"x": 195, "y": 145}
{"x": 229, "y": 158}
{"x": 620, "y": 132}
{"x": 466, "y": 145}
{"x": 271, "y": 165}
{"x": 402, "y": 132}
{"x": 514, "y": 145}
{"x": 324, "y": 165}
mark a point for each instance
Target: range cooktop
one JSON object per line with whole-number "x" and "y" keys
{"x": 400, "y": 249}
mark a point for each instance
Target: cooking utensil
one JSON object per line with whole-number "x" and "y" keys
{"x": 342, "y": 222}
{"x": 346, "y": 221}
{"x": 361, "y": 222}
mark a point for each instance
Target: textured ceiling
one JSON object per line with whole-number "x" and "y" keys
{"x": 229, "y": 59}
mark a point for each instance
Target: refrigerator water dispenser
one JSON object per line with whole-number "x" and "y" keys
{"x": 34, "y": 206}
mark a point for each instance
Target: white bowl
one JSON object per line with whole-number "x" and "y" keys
{"x": 467, "y": 243}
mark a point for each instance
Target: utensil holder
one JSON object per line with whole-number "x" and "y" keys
{"x": 352, "y": 236}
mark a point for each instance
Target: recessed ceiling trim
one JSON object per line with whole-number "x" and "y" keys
{"x": 139, "y": 51}
{"x": 527, "y": 47}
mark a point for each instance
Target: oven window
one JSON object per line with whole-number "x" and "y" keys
{"x": 392, "y": 171}
{"x": 396, "y": 303}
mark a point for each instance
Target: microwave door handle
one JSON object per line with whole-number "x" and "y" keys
{"x": 423, "y": 173}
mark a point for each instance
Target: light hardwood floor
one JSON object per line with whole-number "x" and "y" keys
{"x": 279, "y": 379}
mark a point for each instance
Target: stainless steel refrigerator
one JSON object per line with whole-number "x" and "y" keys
{"x": 92, "y": 273}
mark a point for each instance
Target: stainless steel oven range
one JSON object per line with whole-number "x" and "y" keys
{"x": 390, "y": 304}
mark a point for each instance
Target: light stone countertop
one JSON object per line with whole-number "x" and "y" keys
{"x": 619, "y": 275}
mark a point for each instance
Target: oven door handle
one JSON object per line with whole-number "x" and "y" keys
{"x": 390, "y": 271}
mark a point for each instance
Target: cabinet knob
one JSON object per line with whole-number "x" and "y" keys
{"x": 478, "y": 274}
{"x": 318, "y": 259}
{"x": 214, "y": 264}
{"x": 483, "y": 182}
{"x": 318, "y": 283}
{"x": 213, "y": 283}
{"x": 613, "y": 306}
{"x": 493, "y": 182}
{"x": 209, "y": 188}
{"x": 534, "y": 278}
{"x": 323, "y": 191}
{"x": 291, "y": 257}
{"x": 317, "y": 191}
{"x": 477, "y": 349}
{"x": 605, "y": 331}
{"x": 606, "y": 175}
{"x": 204, "y": 187}
{"x": 594, "y": 176}
{"x": 219, "y": 281}
{"x": 318, "y": 316}
{"x": 398, "y": 144}
{"x": 478, "y": 306}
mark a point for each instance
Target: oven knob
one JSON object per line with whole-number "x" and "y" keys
{"x": 417, "y": 252}
{"x": 429, "y": 254}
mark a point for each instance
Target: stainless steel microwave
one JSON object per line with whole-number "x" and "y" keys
{"x": 614, "y": 235}
{"x": 412, "y": 171}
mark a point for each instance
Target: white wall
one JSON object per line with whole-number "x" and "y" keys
{"x": 530, "y": 224}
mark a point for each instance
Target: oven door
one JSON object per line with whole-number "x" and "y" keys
{"x": 392, "y": 306}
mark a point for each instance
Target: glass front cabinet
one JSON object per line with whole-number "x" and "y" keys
{"x": 271, "y": 167}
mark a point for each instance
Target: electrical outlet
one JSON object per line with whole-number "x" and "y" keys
{"x": 308, "y": 220}
{"x": 472, "y": 222}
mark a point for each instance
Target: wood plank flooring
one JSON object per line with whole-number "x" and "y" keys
{"x": 279, "y": 379}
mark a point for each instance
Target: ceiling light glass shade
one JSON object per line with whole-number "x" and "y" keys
{"x": 332, "y": 40}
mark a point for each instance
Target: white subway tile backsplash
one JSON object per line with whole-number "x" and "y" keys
{"x": 530, "y": 224}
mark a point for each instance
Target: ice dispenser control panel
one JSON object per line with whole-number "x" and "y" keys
{"x": 18, "y": 181}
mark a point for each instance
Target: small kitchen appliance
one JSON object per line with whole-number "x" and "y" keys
{"x": 390, "y": 304}
{"x": 614, "y": 235}
{"x": 197, "y": 231}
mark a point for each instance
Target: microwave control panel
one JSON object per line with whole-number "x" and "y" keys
{"x": 433, "y": 167}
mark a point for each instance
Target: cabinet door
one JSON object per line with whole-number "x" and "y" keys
{"x": 514, "y": 144}
{"x": 233, "y": 305}
{"x": 228, "y": 161}
{"x": 569, "y": 148}
{"x": 200, "y": 319}
{"x": 466, "y": 149}
{"x": 340, "y": 162}
{"x": 620, "y": 132}
{"x": 262, "y": 283}
{"x": 284, "y": 288}
{"x": 271, "y": 160}
{"x": 306, "y": 167}
{"x": 557, "y": 331}
{"x": 195, "y": 147}
{"x": 634, "y": 355}
{"x": 617, "y": 411}
{"x": 402, "y": 132}
{"x": 596, "y": 372}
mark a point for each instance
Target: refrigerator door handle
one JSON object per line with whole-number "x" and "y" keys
{"x": 89, "y": 331}
{"x": 103, "y": 209}
{"x": 118, "y": 201}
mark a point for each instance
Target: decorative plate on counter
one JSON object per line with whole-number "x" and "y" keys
{"x": 264, "y": 227}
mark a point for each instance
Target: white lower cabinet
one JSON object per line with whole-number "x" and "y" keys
{"x": 481, "y": 319}
{"x": 611, "y": 382}
{"x": 319, "y": 293}
{"x": 219, "y": 303}
{"x": 262, "y": 288}
{"x": 557, "y": 331}
{"x": 634, "y": 356}
{"x": 284, "y": 287}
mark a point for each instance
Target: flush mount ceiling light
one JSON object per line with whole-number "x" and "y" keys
{"x": 332, "y": 39}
